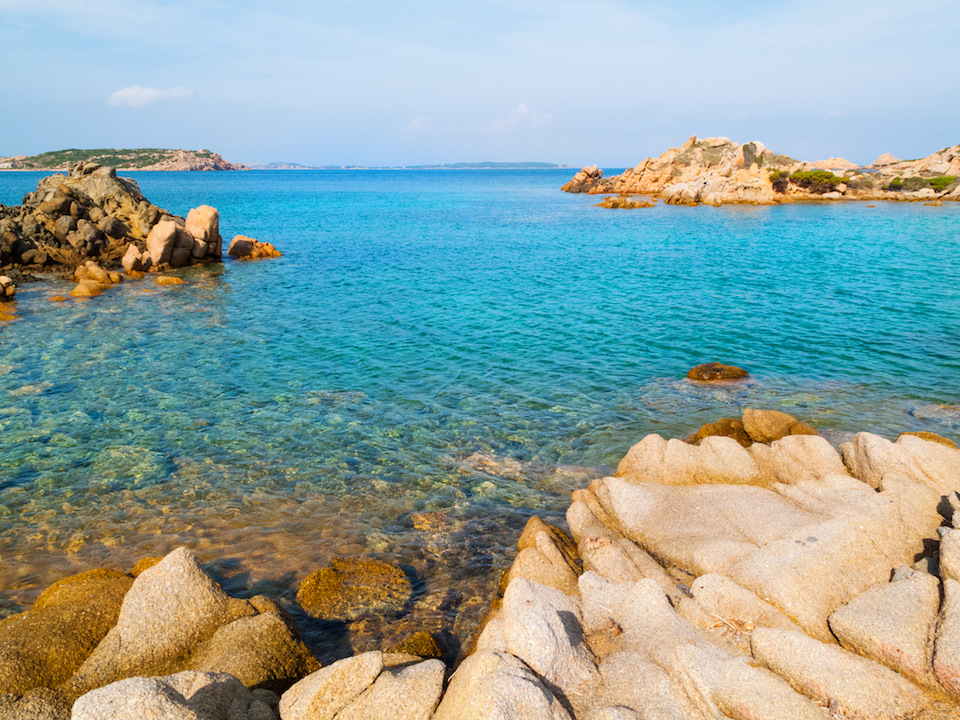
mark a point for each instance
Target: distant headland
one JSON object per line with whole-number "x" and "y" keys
{"x": 136, "y": 159}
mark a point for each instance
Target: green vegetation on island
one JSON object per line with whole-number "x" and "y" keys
{"x": 126, "y": 159}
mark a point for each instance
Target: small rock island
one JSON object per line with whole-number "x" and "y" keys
{"x": 716, "y": 171}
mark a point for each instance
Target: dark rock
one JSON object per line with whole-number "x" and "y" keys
{"x": 725, "y": 427}
{"x": 714, "y": 371}
{"x": 111, "y": 226}
{"x": 422, "y": 644}
{"x": 766, "y": 426}
{"x": 352, "y": 588}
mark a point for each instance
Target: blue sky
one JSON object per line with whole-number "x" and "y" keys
{"x": 378, "y": 83}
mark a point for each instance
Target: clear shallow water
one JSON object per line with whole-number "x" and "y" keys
{"x": 471, "y": 343}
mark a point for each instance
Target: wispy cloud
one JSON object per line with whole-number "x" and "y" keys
{"x": 136, "y": 96}
{"x": 521, "y": 118}
{"x": 419, "y": 125}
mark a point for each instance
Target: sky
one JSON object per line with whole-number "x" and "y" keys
{"x": 425, "y": 81}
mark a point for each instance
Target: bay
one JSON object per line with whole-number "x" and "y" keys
{"x": 438, "y": 356}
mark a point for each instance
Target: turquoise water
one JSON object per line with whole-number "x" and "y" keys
{"x": 475, "y": 344}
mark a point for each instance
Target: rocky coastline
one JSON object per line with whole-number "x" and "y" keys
{"x": 717, "y": 171}
{"x": 752, "y": 571}
{"x": 91, "y": 222}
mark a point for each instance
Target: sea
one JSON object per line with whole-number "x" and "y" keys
{"x": 438, "y": 356}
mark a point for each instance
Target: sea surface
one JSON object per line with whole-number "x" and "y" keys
{"x": 438, "y": 356}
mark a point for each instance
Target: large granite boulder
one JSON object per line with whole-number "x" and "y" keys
{"x": 184, "y": 696}
{"x": 175, "y": 618}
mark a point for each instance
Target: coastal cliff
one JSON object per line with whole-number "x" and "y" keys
{"x": 716, "y": 171}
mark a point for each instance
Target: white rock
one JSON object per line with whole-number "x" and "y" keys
{"x": 323, "y": 694}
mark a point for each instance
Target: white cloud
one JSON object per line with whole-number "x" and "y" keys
{"x": 136, "y": 96}
{"x": 521, "y": 118}
{"x": 418, "y": 125}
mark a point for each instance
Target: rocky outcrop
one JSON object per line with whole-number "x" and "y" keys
{"x": 705, "y": 597}
{"x": 714, "y": 371}
{"x": 246, "y": 248}
{"x": 718, "y": 171}
{"x": 92, "y": 214}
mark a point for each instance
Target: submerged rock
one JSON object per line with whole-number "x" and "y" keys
{"x": 715, "y": 371}
{"x": 351, "y": 588}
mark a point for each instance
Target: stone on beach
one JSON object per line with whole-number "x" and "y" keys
{"x": 161, "y": 241}
{"x": 765, "y": 426}
{"x": 794, "y": 458}
{"x": 946, "y": 654}
{"x": 894, "y": 624}
{"x": 203, "y": 223}
{"x": 870, "y": 457}
{"x": 183, "y": 696}
{"x": 547, "y": 556}
{"x": 542, "y": 627}
{"x": 403, "y": 693}
{"x": 7, "y": 288}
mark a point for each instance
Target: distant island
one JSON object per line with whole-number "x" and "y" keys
{"x": 135, "y": 159}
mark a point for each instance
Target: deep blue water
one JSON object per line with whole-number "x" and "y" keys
{"x": 475, "y": 343}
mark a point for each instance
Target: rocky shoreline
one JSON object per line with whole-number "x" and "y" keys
{"x": 717, "y": 171}
{"x": 751, "y": 572}
{"x": 91, "y": 222}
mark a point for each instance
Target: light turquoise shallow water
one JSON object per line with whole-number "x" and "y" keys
{"x": 474, "y": 343}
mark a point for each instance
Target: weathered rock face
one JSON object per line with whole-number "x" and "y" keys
{"x": 91, "y": 213}
{"x": 585, "y": 181}
{"x": 714, "y": 587}
{"x": 361, "y": 688}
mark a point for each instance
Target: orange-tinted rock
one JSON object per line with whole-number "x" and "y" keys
{"x": 241, "y": 246}
{"x": 714, "y": 371}
{"x": 351, "y": 588}
{"x": 57, "y": 298}
{"x": 169, "y": 280}
{"x": 161, "y": 241}
{"x": 725, "y": 427}
{"x": 86, "y": 289}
